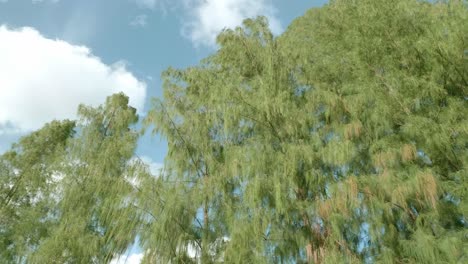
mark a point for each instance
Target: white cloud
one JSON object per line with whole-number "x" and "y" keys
{"x": 7, "y": 129}
{"x": 206, "y": 18}
{"x": 40, "y": 1}
{"x": 203, "y": 20}
{"x": 155, "y": 168}
{"x": 151, "y": 4}
{"x": 131, "y": 259}
{"x": 139, "y": 21}
{"x": 43, "y": 79}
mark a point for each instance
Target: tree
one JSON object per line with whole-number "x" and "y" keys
{"x": 396, "y": 72}
{"x": 343, "y": 140}
{"x": 96, "y": 219}
{"x": 28, "y": 180}
{"x": 69, "y": 189}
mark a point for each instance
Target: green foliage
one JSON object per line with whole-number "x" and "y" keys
{"x": 343, "y": 140}
{"x": 95, "y": 220}
{"x": 27, "y": 183}
{"x": 68, "y": 189}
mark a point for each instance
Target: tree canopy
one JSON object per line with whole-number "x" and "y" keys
{"x": 343, "y": 140}
{"x": 65, "y": 189}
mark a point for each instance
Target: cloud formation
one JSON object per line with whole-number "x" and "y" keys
{"x": 203, "y": 20}
{"x": 43, "y": 79}
{"x": 139, "y": 21}
{"x": 206, "y": 18}
{"x": 134, "y": 258}
{"x": 155, "y": 168}
{"x": 151, "y": 4}
{"x": 40, "y": 1}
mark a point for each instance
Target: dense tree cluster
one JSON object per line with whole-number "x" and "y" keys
{"x": 344, "y": 140}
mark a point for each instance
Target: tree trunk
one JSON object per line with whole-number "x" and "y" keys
{"x": 312, "y": 252}
{"x": 205, "y": 257}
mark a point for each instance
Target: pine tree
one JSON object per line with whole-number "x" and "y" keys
{"x": 96, "y": 219}
{"x": 397, "y": 71}
{"x": 27, "y": 184}
{"x": 343, "y": 140}
{"x": 68, "y": 192}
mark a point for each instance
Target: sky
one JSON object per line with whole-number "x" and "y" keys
{"x": 56, "y": 54}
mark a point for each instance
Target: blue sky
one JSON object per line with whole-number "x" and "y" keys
{"x": 136, "y": 37}
{"x": 55, "y": 54}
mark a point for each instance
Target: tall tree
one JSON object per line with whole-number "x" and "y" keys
{"x": 68, "y": 191}
{"x": 96, "y": 218}
{"x": 343, "y": 140}
{"x": 394, "y": 77}
{"x": 28, "y": 179}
